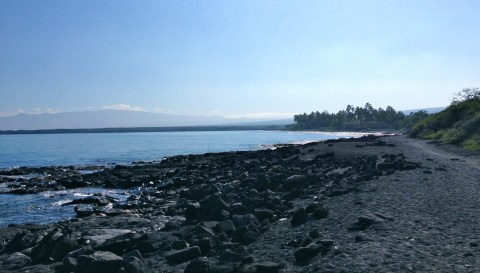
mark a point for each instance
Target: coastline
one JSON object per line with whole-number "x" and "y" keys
{"x": 125, "y": 148}
{"x": 355, "y": 205}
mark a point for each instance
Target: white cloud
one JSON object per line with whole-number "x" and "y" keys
{"x": 124, "y": 107}
{"x": 263, "y": 115}
{"x": 35, "y": 111}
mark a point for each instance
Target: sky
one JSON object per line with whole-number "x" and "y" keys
{"x": 235, "y": 58}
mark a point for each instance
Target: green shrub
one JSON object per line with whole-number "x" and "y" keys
{"x": 434, "y": 135}
{"x": 458, "y": 124}
{"x": 473, "y": 143}
{"x": 472, "y": 124}
{"x": 454, "y": 136}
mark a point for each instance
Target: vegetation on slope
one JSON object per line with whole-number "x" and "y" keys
{"x": 357, "y": 118}
{"x": 458, "y": 124}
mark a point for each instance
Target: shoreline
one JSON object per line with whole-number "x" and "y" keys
{"x": 352, "y": 205}
{"x": 112, "y": 162}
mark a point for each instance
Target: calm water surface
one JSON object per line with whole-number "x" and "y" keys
{"x": 101, "y": 149}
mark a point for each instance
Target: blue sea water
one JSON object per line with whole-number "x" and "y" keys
{"x": 46, "y": 207}
{"x": 109, "y": 148}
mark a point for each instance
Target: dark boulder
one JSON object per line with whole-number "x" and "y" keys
{"x": 21, "y": 241}
{"x": 318, "y": 211}
{"x": 70, "y": 260}
{"x": 132, "y": 262}
{"x": 213, "y": 208}
{"x": 200, "y": 265}
{"x": 245, "y": 235}
{"x": 294, "y": 182}
{"x": 16, "y": 261}
{"x": 263, "y": 214}
{"x": 244, "y": 220}
{"x": 97, "y": 199}
{"x": 42, "y": 252}
{"x": 98, "y": 262}
{"x": 299, "y": 217}
{"x": 364, "y": 222}
{"x": 226, "y": 227}
{"x": 183, "y": 255}
{"x": 304, "y": 254}
{"x": 179, "y": 244}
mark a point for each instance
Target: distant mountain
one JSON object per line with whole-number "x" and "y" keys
{"x": 432, "y": 110}
{"x": 120, "y": 119}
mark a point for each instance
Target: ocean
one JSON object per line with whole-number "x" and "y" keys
{"x": 95, "y": 149}
{"x": 114, "y": 148}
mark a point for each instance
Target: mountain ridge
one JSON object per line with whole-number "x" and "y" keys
{"x": 122, "y": 119}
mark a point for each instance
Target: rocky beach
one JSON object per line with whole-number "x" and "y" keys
{"x": 370, "y": 204}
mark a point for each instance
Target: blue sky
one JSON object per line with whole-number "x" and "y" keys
{"x": 235, "y": 58}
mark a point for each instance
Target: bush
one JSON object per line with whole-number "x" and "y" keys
{"x": 454, "y": 136}
{"x": 458, "y": 124}
{"x": 472, "y": 124}
{"x": 473, "y": 143}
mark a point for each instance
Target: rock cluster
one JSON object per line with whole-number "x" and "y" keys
{"x": 195, "y": 213}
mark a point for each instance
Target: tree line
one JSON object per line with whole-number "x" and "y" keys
{"x": 357, "y": 118}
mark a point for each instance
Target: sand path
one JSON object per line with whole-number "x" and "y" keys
{"x": 435, "y": 211}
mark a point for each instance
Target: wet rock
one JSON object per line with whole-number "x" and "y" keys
{"x": 83, "y": 211}
{"x": 97, "y": 199}
{"x": 184, "y": 255}
{"x": 299, "y": 217}
{"x": 73, "y": 182}
{"x": 98, "y": 262}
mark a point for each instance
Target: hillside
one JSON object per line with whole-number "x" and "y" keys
{"x": 122, "y": 119}
{"x": 458, "y": 124}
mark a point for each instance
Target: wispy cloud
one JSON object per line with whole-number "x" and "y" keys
{"x": 35, "y": 111}
{"x": 124, "y": 107}
{"x": 262, "y": 115}
{"x": 52, "y": 111}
